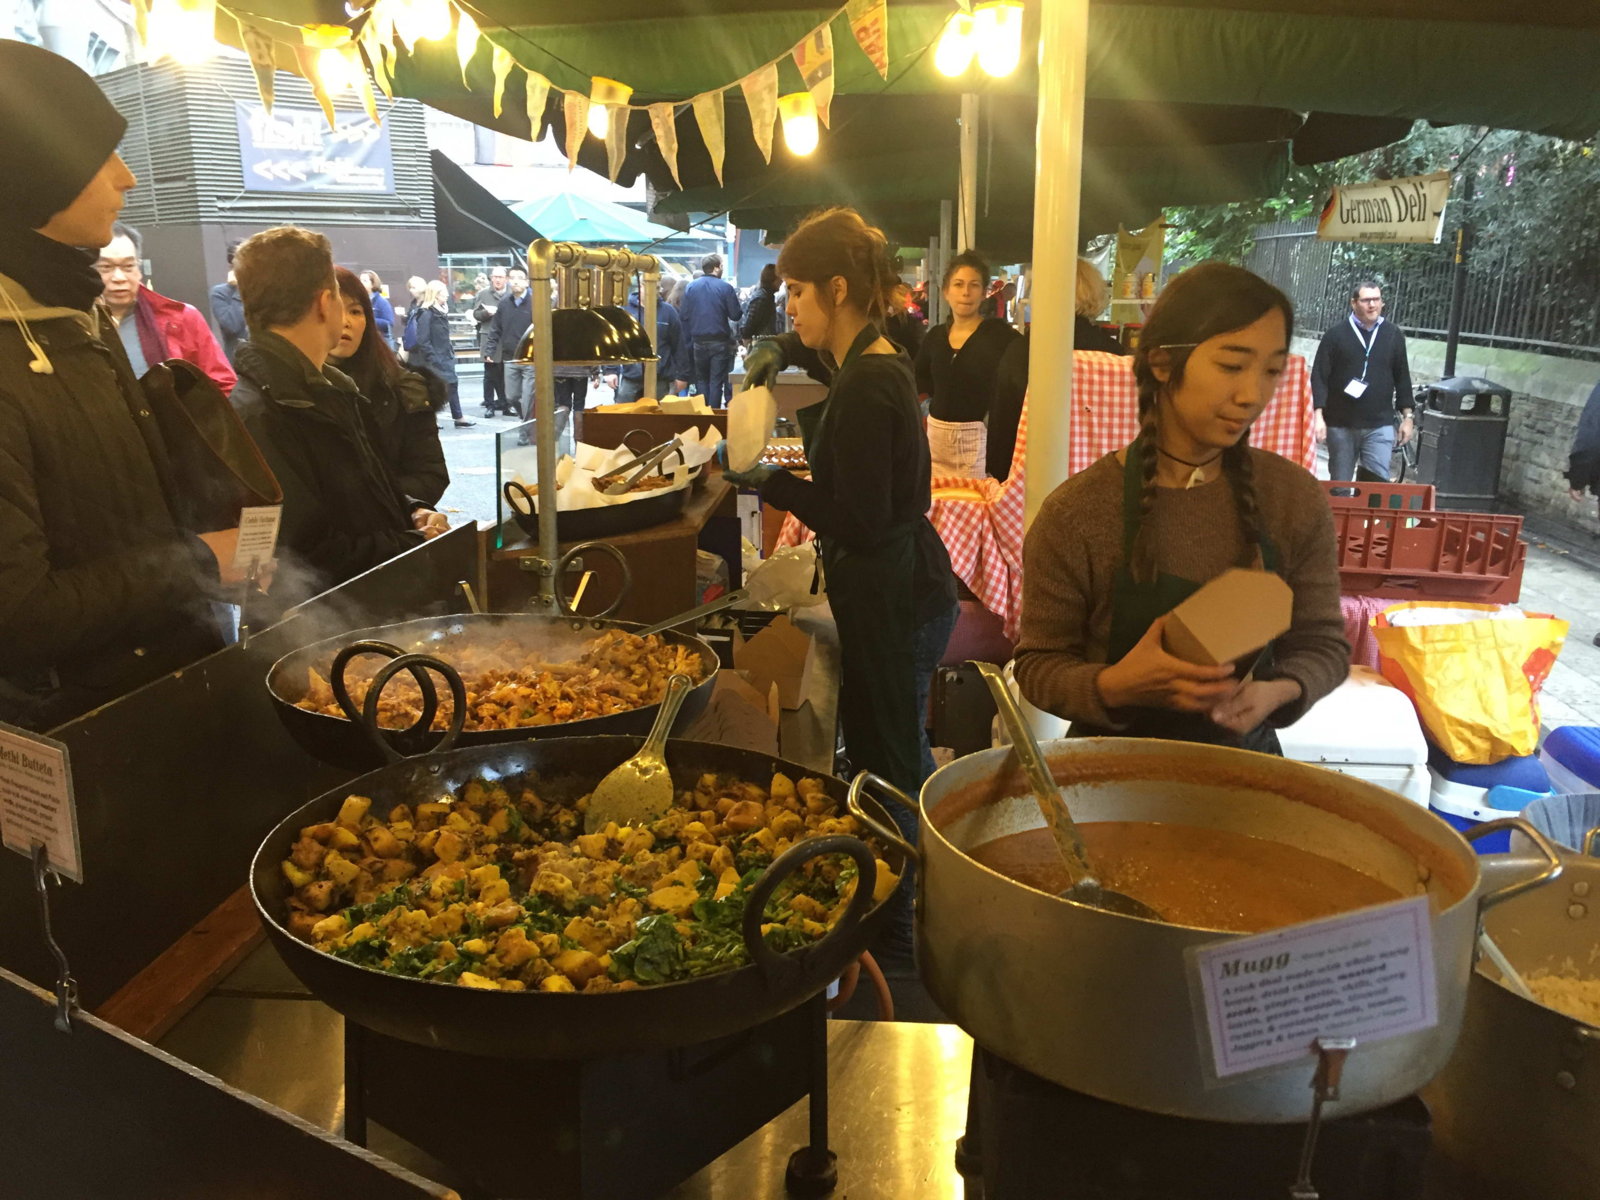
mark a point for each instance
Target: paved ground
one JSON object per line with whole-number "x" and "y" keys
{"x": 1562, "y": 576}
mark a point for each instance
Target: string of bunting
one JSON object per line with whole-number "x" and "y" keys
{"x": 333, "y": 59}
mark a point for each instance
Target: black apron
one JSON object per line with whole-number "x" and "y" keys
{"x": 1136, "y": 605}
{"x": 874, "y": 602}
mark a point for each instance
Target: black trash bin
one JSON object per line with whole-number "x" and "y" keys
{"x": 1461, "y": 431}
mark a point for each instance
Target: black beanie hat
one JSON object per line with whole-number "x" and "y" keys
{"x": 56, "y": 131}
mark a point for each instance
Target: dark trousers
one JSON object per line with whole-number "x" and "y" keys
{"x": 494, "y": 386}
{"x": 571, "y": 393}
{"x": 454, "y": 389}
{"x": 713, "y": 359}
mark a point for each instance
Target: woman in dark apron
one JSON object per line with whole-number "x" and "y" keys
{"x": 1115, "y": 548}
{"x": 888, "y": 576}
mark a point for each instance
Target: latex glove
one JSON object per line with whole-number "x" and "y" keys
{"x": 753, "y": 478}
{"x": 762, "y": 364}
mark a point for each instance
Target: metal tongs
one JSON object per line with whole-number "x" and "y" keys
{"x": 646, "y": 462}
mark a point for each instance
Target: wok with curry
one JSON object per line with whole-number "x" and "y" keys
{"x": 492, "y": 887}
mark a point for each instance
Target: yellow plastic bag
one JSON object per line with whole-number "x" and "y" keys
{"x": 1474, "y": 672}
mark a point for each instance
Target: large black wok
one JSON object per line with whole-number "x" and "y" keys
{"x": 343, "y": 743}
{"x": 572, "y": 1025}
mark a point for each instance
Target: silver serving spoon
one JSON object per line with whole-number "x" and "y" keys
{"x": 1085, "y": 888}
{"x": 639, "y": 791}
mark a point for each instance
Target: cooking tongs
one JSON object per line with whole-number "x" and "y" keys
{"x": 646, "y": 462}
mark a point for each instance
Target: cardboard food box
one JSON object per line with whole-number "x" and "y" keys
{"x": 738, "y": 715}
{"x": 1231, "y": 619}
{"x": 780, "y": 655}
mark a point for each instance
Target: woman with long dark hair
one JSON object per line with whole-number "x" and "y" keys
{"x": 399, "y": 405}
{"x": 1115, "y": 548}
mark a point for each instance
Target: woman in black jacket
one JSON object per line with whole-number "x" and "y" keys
{"x": 433, "y": 350}
{"x": 398, "y": 403}
{"x": 761, "y": 313}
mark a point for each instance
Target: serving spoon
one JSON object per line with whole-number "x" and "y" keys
{"x": 639, "y": 791}
{"x": 1085, "y": 888}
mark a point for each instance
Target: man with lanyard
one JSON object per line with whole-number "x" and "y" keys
{"x": 1359, "y": 380}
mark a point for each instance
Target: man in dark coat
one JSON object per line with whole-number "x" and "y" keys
{"x": 710, "y": 310}
{"x": 1359, "y": 380}
{"x": 227, "y": 310}
{"x": 342, "y": 512}
{"x": 485, "y": 304}
{"x": 100, "y": 591}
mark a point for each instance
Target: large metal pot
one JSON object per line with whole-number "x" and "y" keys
{"x": 1101, "y": 1003}
{"x": 1516, "y": 1112}
{"x": 548, "y": 1025}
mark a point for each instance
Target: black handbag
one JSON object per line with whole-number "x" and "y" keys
{"x": 216, "y": 468}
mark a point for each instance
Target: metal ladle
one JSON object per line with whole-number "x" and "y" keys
{"x": 639, "y": 791}
{"x": 1085, "y": 888}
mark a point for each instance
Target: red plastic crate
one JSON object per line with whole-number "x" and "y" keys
{"x": 1408, "y": 496}
{"x": 1414, "y": 553}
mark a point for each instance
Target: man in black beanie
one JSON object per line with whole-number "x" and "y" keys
{"x": 100, "y": 590}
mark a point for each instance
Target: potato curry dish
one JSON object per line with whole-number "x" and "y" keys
{"x": 494, "y": 888}
{"x": 510, "y": 686}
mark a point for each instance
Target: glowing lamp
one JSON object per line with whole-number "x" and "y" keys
{"x": 604, "y": 95}
{"x": 798, "y": 112}
{"x": 953, "y": 53}
{"x": 182, "y": 30}
{"x": 997, "y": 35}
{"x": 421, "y": 20}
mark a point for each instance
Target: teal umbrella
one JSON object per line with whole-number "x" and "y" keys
{"x": 567, "y": 217}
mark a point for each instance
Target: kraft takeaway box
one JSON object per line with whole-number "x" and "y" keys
{"x": 781, "y": 655}
{"x": 1230, "y": 619}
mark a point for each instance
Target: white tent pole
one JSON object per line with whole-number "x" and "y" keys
{"x": 1063, "y": 53}
{"x": 967, "y": 214}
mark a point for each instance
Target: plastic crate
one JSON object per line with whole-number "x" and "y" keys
{"x": 1412, "y": 553}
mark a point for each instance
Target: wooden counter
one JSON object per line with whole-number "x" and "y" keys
{"x": 660, "y": 558}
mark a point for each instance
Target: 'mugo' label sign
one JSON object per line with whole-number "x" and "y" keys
{"x": 1367, "y": 974}
{"x": 1387, "y": 210}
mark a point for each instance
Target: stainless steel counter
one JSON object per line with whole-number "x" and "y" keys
{"x": 898, "y": 1091}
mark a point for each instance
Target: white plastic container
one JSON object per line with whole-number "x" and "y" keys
{"x": 1367, "y": 728}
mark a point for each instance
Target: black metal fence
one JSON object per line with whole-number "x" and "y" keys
{"x": 1547, "y": 308}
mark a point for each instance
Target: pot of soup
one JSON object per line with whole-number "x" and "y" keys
{"x": 1222, "y": 843}
{"x": 1516, "y": 1109}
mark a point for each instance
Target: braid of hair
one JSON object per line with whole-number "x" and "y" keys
{"x": 1143, "y": 566}
{"x": 1237, "y": 465}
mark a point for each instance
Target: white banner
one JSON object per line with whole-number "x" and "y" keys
{"x": 1387, "y": 210}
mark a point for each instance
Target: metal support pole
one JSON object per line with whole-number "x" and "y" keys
{"x": 542, "y": 256}
{"x": 1458, "y": 296}
{"x": 1063, "y": 59}
{"x": 931, "y": 271}
{"x": 649, "y": 299}
{"x": 967, "y": 215}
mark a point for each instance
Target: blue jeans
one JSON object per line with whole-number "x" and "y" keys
{"x": 1373, "y": 449}
{"x": 713, "y": 359}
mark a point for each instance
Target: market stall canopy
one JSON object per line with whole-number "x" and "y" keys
{"x": 569, "y": 217}
{"x": 468, "y": 217}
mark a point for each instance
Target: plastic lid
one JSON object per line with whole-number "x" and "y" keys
{"x": 1576, "y": 747}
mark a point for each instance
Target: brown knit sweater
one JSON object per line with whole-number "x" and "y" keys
{"x": 1074, "y": 550}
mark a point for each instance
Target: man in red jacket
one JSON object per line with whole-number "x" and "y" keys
{"x": 154, "y": 328}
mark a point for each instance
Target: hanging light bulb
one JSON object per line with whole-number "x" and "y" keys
{"x": 798, "y": 112}
{"x": 997, "y": 34}
{"x": 421, "y": 20}
{"x": 183, "y": 30}
{"x": 953, "y": 53}
{"x": 604, "y": 95}
{"x": 336, "y": 71}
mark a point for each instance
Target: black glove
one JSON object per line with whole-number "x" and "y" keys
{"x": 762, "y": 363}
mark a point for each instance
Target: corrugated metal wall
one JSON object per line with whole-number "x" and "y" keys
{"x": 183, "y": 143}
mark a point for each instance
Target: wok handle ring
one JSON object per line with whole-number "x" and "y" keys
{"x": 415, "y": 663}
{"x": 889, "y": 834}
{"x": 628, "y": 444}
{"x": 527, "y": 507}
{"x": 577, "y": 552}
{"x": 786, "y": 970}
{"x": 1552, "y": 867}
{"x": 341, "y": 692}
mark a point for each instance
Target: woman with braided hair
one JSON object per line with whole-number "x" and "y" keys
{"x": 1115, "y": 548}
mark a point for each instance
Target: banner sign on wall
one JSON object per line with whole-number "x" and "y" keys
{"x": 1387, "y": 210}
{"x": 293, "y": 150}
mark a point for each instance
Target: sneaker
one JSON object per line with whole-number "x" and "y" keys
{"x": 463, "y": 423}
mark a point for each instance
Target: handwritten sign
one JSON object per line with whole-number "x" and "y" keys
{"x": 36, "y": 805}
{"x": 258, "y": 536}
{"x": 1366, "y": 974}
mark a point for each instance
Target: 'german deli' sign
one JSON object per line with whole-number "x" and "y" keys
{"x": 1387, "y": 210}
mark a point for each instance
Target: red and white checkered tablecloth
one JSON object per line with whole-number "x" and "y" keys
{"x": 980, "y": 520}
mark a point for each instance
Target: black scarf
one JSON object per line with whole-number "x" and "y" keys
{"x": 55, "y": 274}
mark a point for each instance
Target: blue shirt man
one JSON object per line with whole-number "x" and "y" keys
{"x": 673, "y": 367}
{"x": 710, "y": 312}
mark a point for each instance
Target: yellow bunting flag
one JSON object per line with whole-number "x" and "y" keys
{"x": 662, "y": 120}
{"x": 141, "y": 21}
{"x": 616, "y": 140}
{"x": 263, "y": 65}
{"x": 501, "y": 62}
{"x": 708, "y": 111}
{"x": 378, "y": 53}
{"x": 814, "y": 57}
{"x": 466, "y": 42}
{"x": 576, "y": 105}
{"x": 363, "y": 86}
{"x": 869, "y": 21}
{"x": 307, "y": 58}
{"x": 538, "y": 88}
{"x": 761, "y": 98}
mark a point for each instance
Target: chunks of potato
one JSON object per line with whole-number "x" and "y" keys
{"x": 676, "y": 900}
{"x": 556, "y": 983}
{"x": 396, "y": 869}
{"x": 885, "y": 883}
{"x": 591, "y": 845}
{"x": 782, "y": 786}
{"x": 513, "y": 948}
{"x": 744, "y": 816}
{"x": 555, "y": 886}
{"x": 329, "y": 928}
{"x": 579, "y": 966}
{"x": 353, "y": 810}
{"x": 468, "y": 979}
{"x": 429, "y": 815}
{"x": 340, "y": 869}
{"x": 307, "y": 854}
{"x": 493, "y": 893}
{"x": 297, "y": 877}
{"x": 342, "y": 839}
{"x": 726, "y": 882}
{"x": 384, "y": 844}
{"x": 317, "y": 895}
{"x": 448, "y": 846}
{"x": 594, "y": 936}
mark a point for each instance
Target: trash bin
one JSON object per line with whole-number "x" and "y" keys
{"x": 1461, "y": 428}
